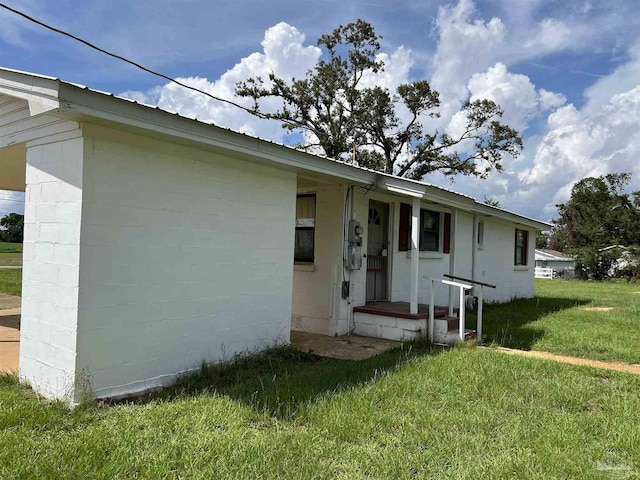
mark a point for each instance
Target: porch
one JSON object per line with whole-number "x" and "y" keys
{"x": 394, "y": 321}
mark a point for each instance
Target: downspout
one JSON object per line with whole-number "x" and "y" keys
{"x": 452, "y": 255}
{"x": 474, "y": 240}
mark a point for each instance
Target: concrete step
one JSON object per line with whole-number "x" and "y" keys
{"x": 452, "y": 337}
{"x": 452, "y": 322}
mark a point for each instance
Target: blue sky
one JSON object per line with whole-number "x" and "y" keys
{"x": 567, "y": 73}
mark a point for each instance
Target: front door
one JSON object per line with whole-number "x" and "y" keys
{"x": 377, "y": 251}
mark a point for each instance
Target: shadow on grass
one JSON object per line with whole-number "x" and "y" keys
{"x": 508, "y": 324}
{"x": 280, "y": 381}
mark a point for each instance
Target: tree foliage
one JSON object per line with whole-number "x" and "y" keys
{"x": 12, "y": 228}
{"x": 599, "y": 214}
{"x": 342, "y": 116}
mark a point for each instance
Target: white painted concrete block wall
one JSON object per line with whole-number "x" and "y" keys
{"x": 186, "y": 256}
{"x": 314, "y": 289}
{"x": 495, "y": 263}
{"x": 53, "y": 206}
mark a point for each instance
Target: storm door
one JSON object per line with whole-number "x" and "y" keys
{"x": 377, "y": 251}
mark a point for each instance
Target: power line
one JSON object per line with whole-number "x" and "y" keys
{"x": 137, "y": 65}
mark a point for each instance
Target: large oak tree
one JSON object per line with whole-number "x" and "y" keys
{"x": 343, "y": 117}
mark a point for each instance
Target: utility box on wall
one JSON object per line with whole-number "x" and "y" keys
{"x": 354, "y": 251}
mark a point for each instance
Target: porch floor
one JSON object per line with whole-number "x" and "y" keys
{"x": 347, "y": 347}
{"x": 400, "y": 310}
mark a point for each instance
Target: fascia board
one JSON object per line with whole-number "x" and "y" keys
{"x": 42, "y": 93}
{"x": 486, "y": 210}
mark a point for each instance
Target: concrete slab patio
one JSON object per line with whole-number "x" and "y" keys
{"x": 347, "y": 347}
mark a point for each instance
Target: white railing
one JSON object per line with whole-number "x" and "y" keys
{"x": 463, "y": 287}
{"x": 542, "y": 272}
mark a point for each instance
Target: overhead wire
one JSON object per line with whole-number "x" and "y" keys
{"x": 131, "y": 62}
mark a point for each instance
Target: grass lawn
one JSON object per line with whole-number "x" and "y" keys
{"x": 10, "y": 254}
{"x": 11, "y": 281}
{"x": 597, "y": 320}
{"x": 464, "y": 413}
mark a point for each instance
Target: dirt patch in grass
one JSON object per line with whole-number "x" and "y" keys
{"x": 617, "y": 366}
{"x": 598, "y": 309}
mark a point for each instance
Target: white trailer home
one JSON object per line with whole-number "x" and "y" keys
{"x": 154, "y": 242}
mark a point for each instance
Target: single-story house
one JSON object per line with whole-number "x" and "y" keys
{"x": 552, "y": 264}
{"x": 154, "y": 242}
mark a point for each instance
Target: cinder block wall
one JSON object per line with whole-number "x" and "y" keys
{"x": 186, "y": 256}
{"x": 495, "y": 263}
{"x": 50, "y": 284}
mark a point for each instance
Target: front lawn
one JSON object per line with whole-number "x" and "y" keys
{"x": 11, "y": 281}
{"x": 597, "y": 320}
{"x": 464, "y": 413}
{"x": 10, "y": 254}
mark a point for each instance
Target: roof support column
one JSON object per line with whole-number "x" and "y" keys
{"x": 415, "y": 254}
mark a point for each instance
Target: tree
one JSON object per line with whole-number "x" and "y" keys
{"x": 343, "y": 117}
{"x": 12, "y": 228}
{"x": 492, "y": 202}
{"x": 598, "y": 215}
{"x": 542, "y": 240}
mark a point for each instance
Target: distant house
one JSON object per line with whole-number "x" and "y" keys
{"x": 552, "y": 264}
{"x": 154, "y": 242}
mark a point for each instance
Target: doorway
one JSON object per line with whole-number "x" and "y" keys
{"x": 377, "y": 251}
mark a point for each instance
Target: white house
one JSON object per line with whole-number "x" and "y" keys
{"x": 551, "y": 264}
{"x": 154, "y": 242}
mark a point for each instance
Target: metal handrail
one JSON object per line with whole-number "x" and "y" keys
{"x": 469, "y": 280}
{"x": 462, "y": 306}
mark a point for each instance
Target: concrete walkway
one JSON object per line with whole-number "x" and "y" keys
{"x": 585, "y": 362}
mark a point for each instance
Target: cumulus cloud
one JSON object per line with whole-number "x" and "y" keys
{"x": 465, "y": 46}
{"x": 514, "y": 93}
{"x": 587, "y": 142}
{"x": 283, "y": 54}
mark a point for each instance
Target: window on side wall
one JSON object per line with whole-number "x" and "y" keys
{"x": 521, "y": 247}
{"x": 480, "y": 234}
{"x": 305, "y": 228}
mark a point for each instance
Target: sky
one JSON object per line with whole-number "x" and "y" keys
{"x": 567, "y": 74}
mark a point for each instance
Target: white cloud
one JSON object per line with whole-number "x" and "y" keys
{"x": 464, "y": 48}
{"x": 283, "y": 54}
{"x": 552, "y": 35}
{"x": 396, "y": 70}
{"x": 514, "y": 93}
{"x": 584, "y": 143}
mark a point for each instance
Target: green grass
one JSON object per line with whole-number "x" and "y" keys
{"x": 597, "y": 320}
{"x": 11, "y": 281}
{"x": 10, "y": 254}
{"x": 464, "y": 413}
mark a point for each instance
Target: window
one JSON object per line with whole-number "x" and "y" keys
{"x": 434, "y": 234}
{"x": 521, "y": 247}
{"x": 429, "y": 231}
{"x": 480, "y": 234}
{"x": 305, "y": 228}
